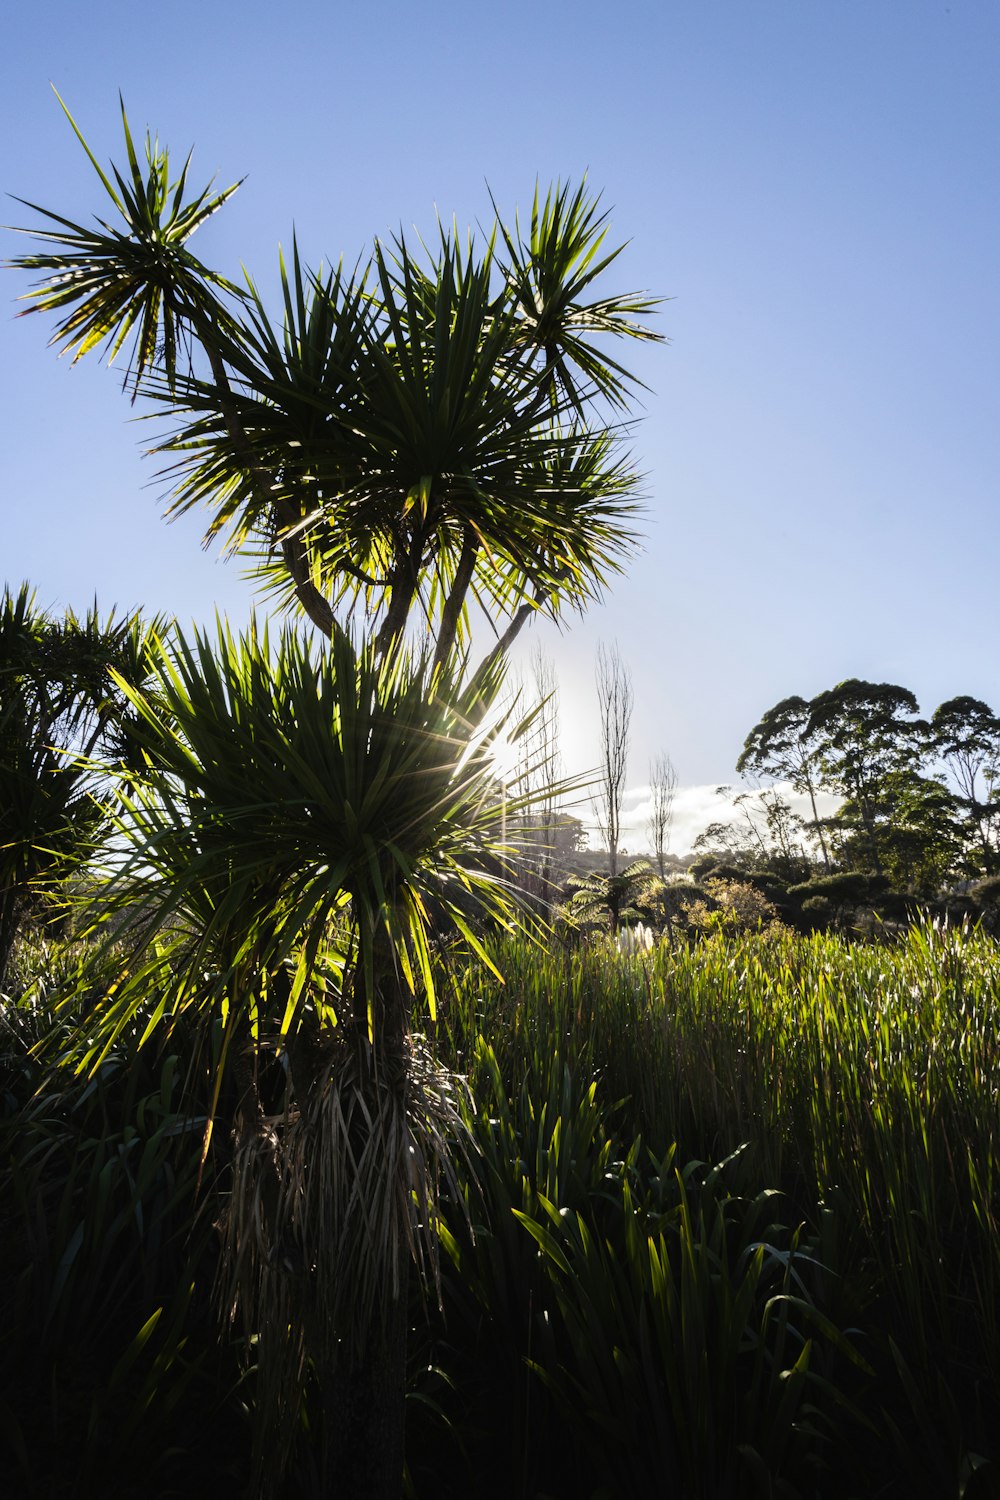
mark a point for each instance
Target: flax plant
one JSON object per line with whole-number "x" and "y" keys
{"x": 105, "y": 1262}
{"x": 860, "y": 1080}
{"x": 665, "y": 1321}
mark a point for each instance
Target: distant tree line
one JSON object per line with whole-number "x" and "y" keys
{"x": 917, "y": 809}
{"x": 852, "y": 801}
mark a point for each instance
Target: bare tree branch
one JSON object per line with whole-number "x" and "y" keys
{"x": 663, "y": 785}
{"x": 615, "y": 699}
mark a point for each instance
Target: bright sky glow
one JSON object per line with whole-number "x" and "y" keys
{"x": 813, "y": 184}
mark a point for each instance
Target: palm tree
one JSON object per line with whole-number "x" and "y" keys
{"x": 612, "y": 897}
{"x": 58, "y": 708}
{"x": 292, "y": 818}
{"x": 431, "y": 432}
{"x": 427, "y": 432}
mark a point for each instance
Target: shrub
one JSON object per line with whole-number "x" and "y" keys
{"x": 737, "y": 906}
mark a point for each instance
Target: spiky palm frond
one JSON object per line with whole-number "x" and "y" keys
{"x": 279, "y": 787}
{"x": 408, "y": 439}
{"x": 58, "y": 706}
{"x": 287, "y": 403}
{"x": 298, "y": 821}
{"x": 548, "y": 275}
{"x": 407, "y": 452}
{"x": 109, "y": 281}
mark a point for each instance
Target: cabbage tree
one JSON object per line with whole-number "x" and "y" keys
{"x": 58, "y": 709}
{"x": 430, "y": 430}
{"x": 434, "y": 431}
{"x": 298, "y": 828}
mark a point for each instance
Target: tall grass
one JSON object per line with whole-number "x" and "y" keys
{"x": 730, "y": 1227}
{"x": 860, "y": 1081}
{"x": 115, "y": 1378}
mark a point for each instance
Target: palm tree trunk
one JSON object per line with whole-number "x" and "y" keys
{"x": 455, "y": 602}
{"x": 364, "y": 1410}
{"x": 364, "y": 1390}
{"x": 519, "y": 620}
{"x": 9, "y": 915}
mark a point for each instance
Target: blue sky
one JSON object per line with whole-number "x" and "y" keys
{"x": 811, "y": 182}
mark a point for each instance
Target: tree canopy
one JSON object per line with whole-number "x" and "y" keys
{"x": 59, "y": 710}
{"x": 918, "y": 801}
{"x": 432, "y": 429}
